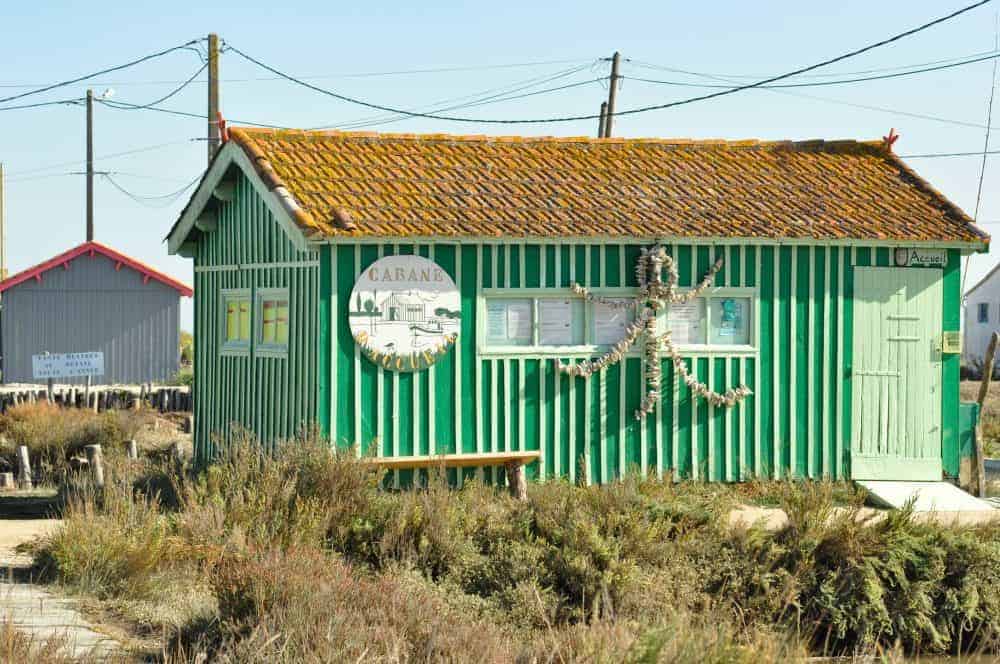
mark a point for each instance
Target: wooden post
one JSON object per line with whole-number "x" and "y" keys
{"x": 133, "y": 450}
{"x": 96, "y": 462}
{"x": 984, "y": 388}
{"x": 90, "y": 165}
{"x": 214, "y": 133}
{"x": 7, "y": 482}
{"x": 23, "y": 467}
{"x": 86, "y": 394}
{"x": 609, "y": 121}
{"x": 517, "y": 482}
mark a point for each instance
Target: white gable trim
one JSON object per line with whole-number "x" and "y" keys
{"x": 279, "y": 201}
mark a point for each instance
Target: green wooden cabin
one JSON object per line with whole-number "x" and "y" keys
{"x": 837, "y": 302}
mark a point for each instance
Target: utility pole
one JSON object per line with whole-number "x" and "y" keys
{"x": 602, "y": 121}
{"x": 90, "y": 165}
{"x": 213, "y": 95}
{"x": 609, "y": 123}
{"x": 3, "y": 227}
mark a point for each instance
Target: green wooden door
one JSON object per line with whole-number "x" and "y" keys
{"x": 896, "y": 378}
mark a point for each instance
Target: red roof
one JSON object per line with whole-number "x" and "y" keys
{"x": 92, "y": 249}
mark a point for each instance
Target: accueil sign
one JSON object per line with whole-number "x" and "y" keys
{"x": 916, "y": 257}
{"x": 404, "y": 312}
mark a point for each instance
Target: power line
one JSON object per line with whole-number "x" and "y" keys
{"x": 633, "y": 111}
{"x": 58, "y": 102}
{"x": 479, "y": 100}
{"x": 176, "y": 90}
{"x": 371, "y": 74}
{"x": 818, "y": 84}
{"x": 152, "y": 201}
{"x": 989, "y": 122}
{"x": 148, "y": 148}
{"x": 125, "y": 106}
{"x": 935, "y": 155}
{"x": 875, "y": 70}
{"x": 126, "y": 65}
{"x": 504, "y": 89}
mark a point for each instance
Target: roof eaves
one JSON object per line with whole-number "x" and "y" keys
{"x": 262, "y": 165}
{"x": 939, "y": 197}
{"x": 92, "y": 248}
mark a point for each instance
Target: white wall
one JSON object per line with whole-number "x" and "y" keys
{"x": 977, "y": 335}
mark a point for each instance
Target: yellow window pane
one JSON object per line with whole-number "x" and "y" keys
{"x": 281, "y": 322}
{"x": 231, "y": 321}
{"x": 245, "y": 320}
{"x": 269, "y": 313}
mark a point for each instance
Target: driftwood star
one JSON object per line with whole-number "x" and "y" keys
{"x": 654, "y": 294}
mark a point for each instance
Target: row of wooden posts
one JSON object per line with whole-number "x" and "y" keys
{"x": 163, "y": 399}
{"x": 95, "y": 465}
{"x": 24, "y": 480}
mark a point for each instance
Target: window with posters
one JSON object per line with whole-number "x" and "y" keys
{"x": 721, "y": 319}
{"x": 549, "y": 321}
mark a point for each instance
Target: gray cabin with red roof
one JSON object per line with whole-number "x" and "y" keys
{"x": 92, "y": 298}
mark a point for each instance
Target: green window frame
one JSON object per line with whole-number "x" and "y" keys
{"x": 273, "y": 322}
{"x": 235, "y": 327}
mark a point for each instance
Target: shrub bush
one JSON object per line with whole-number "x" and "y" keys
{"x": 308, "y": 559}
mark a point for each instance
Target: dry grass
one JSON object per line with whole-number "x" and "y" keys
{"x": 54, "y": 435}
{"x": 304, "y": 558}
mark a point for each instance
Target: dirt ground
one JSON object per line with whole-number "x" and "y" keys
{"x": 18, "y": 531}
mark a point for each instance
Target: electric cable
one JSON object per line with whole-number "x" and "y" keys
{"x": 152, "y": 201}
{"x": 633, "y": 111}
{"x": 818, "y": 84}
{"x": 126, "y": 65}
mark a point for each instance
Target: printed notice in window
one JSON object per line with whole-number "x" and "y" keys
{"x": 496, "y": 321}
{"x": 685, "y": 320}
{"x": 519, "y": 321}
{"x": 560, "y": 322}
{"x": 610, "y": 322}
{"x": 509, "y": 322}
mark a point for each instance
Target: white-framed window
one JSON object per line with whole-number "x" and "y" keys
{"x": 553, "y": 321}
{"x": 719, "y": 319}
{"x": 272, "y": 322}
{"x": 983, "y": 311}
{"x": 549, "y": 321}
{"x": 236, "y": 318}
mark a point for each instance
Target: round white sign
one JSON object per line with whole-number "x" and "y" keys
{"x": 405, "y": 312}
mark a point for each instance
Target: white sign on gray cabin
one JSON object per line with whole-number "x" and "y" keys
{"x": 67, "y": 365}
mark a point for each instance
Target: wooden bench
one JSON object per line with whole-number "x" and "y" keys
{"x": 514, "y": 462}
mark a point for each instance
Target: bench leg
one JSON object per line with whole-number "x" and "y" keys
{"x": 516, "y": 480}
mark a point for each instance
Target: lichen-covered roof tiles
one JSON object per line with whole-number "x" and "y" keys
{"x": 406, "y": 185}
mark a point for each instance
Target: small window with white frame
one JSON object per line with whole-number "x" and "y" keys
{"x": 719, "y": 319}
{"x": 272, "y": 322}
{"x": 236, "y": 316}
{"x": 984, "y": 312}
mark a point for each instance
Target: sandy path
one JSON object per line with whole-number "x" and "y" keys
{"x": 17, "y": 531}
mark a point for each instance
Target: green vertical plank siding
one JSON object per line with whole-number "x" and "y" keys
{"x": 797, "y": 422}
{"x": 951, "y": 364}
{"x": 273, "y": 397}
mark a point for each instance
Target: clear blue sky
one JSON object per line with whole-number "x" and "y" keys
{"x": 43, "y": 42}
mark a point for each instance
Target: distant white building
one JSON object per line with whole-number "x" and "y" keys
{"x": 982, "y": 315}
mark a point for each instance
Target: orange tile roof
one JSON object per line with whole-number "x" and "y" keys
{"x": 407, "y": 185}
